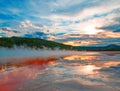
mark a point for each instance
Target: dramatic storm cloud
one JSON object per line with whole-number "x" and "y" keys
{"x": 73, "y": 22}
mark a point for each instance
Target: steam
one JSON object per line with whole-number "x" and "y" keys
{"x": 17, "y": 53}
{"x": 28, "y": 52}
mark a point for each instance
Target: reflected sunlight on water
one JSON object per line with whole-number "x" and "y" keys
{"x": 87, "y": 72}
{"x": 84, "y": 57}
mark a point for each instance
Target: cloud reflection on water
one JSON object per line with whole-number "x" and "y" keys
{"x": 13, "y": 74}
{"x": 89, "y": 71}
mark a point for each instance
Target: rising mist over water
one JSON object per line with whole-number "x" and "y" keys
{"x": 21, "y": 51}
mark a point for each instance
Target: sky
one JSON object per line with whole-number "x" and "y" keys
{"x": 72, "y": 22}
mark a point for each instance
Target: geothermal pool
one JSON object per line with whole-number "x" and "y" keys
{"x": 87, "y": 71}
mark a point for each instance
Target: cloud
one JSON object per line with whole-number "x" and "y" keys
{"x": 81, "y": 42}
{"x": 103, "y": 34}
{"x": 112, "y": 27}
{"x": 95, "y": 16}
{"x": 62, "y": 20}
{"x": 36, "y": 35}
{"x": 28, "y": 24}
{"x": 6, "y": 29}
{"x": 52, "y": 28}
{"x": 84, "y": 9}
{"x": 101, "y": 38}
{"x": 82, "y": 25}
{"x": 9, "y": 32}
{"x": 107, "y": 34}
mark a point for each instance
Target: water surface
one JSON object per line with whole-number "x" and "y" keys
{"x": 89, "y": 71}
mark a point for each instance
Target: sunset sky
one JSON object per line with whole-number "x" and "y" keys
{"x": 72, "y": 22}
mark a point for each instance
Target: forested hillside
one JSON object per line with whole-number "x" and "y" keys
{"x": 32, "y": 43}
